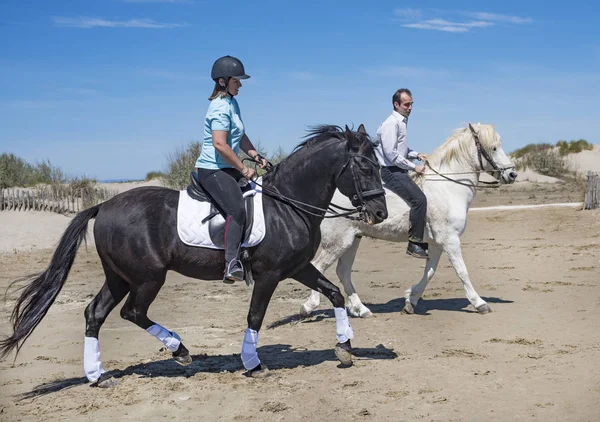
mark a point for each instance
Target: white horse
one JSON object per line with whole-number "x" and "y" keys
{"x": 449, "y": 183}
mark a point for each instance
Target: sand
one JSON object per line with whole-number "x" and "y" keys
{"x": 535, "y": 357}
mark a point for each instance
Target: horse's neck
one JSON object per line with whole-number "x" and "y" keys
{"x": 462, "y": 171}
{"x": 309, "y": 178}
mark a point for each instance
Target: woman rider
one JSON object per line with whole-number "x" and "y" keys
{"x": 219, "y": 168}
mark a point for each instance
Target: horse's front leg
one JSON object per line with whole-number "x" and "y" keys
{"x": 413, "y": 294}
{"x": 310, "y": 277}
{"x": 261, "y": 296}
{"x": 452, "y": 248}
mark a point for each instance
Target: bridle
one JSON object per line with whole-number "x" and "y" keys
{"x": 481, "y": 154}
{"x": 358, "y": 200}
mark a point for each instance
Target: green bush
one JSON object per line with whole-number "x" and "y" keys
{"x": 180, "y": 164}
{"x": 154, "y": 175}
{"x": 16, "y": 172}
{"x": 546, "y": 161}
{"x": 183, "y": 160}
{"x": 573, "y": 147}
{"x": 530, "y": 148}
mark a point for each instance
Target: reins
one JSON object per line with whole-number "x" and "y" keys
{"x": 301, "y": 206}
{"x": 481, "y": 153}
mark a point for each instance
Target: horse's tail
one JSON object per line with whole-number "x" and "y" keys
{"x": 40, "y": 293}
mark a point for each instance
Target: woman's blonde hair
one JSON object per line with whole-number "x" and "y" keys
{"x": 218, "y": 91}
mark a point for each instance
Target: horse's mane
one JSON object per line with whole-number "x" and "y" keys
{"x": 459, "y": 145}
{"x": 316, "y": 137}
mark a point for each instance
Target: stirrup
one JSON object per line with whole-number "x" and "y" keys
{"x": 234, "y": 271}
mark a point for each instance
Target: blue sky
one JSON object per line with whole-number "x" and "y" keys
{"x": 110, "y": 88}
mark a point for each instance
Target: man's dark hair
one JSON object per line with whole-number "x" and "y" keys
{"x": 397, "y": 94}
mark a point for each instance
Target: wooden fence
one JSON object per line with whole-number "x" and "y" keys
{"x": 59, "y": 199}
{"x": 592, "y": 194}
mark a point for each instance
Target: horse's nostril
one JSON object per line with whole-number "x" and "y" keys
{"x": 381, "y": 214}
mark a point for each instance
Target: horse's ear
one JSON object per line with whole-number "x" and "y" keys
{"x": 361, "y": 129}
{"x": 352, "y": 140}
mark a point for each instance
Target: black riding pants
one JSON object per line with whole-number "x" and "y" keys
{"x": 227, "y": 197}
{"x": 399, "y": 182}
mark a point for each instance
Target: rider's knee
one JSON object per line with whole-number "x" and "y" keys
{"x": 420, "y": 200}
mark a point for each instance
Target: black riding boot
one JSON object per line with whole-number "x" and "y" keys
{"x": 234, "y": 271}
{"x": 417, "y": 248}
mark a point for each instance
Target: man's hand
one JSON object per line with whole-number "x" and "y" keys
{"x": 422, "y": 157}
{"x": 420, "y": 168}
{"x": 262, "y": 162}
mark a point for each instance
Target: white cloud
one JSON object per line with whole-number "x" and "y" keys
{"x": 90, "y": 22}
{"x": 498, "y": 18}
{"x": 302, "y": 76}
{"x": 416, "y": 18}
{"x": 448, "y": 26}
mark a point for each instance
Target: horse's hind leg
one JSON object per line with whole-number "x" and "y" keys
{"x": 325, "y": 259}
{"x": 413, "y": 294}
{"x": 452, "y": 248}
{"x": 344, "y": 272}
{"x": 112, "y": 292}
{"x": 136, "y": 311}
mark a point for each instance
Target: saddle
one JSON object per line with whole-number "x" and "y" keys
{"x": 216, "y": 217}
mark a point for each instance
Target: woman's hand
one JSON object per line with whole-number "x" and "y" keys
{"x": 248, "y": 173}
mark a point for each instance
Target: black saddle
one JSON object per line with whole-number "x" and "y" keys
{"x": 216, "y": 217}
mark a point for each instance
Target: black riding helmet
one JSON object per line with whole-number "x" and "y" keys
{"x": 228, "y": 67}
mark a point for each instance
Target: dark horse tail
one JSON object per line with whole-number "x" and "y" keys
{"x": 40, "y": 293}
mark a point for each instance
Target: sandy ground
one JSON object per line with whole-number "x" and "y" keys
{"x": 535, "y": 357}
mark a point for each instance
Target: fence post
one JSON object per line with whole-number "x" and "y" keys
{"x": 592, "y": 197}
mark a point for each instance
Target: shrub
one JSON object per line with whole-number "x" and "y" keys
{"x": 530, "y": 148}
{"x": 154, "y": 175}
{"x": 573, "y": 147}
{"x": 16, "y": 172}
{"x": 547, "y": 161}
{"x": 180, "y": 164}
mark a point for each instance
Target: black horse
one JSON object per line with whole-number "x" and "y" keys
{"x": 137, "y": 241}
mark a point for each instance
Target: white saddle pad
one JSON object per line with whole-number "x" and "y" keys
{"x": 191, "y": 212}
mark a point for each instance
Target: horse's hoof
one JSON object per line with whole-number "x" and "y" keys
{"x": 304, "y": 313}
{"x": 343, "y": 351}
{"x": 261, "y": 371}
{"x": 484, "y": 309}
{"x": 408, "y": 308}
{"x": 105, "y": 382}
{"x": 182, "y": 356}
{"x": 367, "y": 314}
{"x": 184, "y": 360}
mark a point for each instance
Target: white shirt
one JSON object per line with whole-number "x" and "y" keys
{"x": 393, "y": 147}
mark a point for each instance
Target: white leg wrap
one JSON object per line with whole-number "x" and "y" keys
{"x": 91, "y": 359}
{"x": 249, "y": 356}
{"x": 170, "y": 339}
{"x": 342, "y": 325}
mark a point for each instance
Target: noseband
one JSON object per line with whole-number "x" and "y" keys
{"x": 481, "y": 152}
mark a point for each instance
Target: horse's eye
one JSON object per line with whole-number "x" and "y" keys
{"x": 495, "y": 148}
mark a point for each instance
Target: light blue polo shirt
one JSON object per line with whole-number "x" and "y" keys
{"x": 222, "y": 114}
